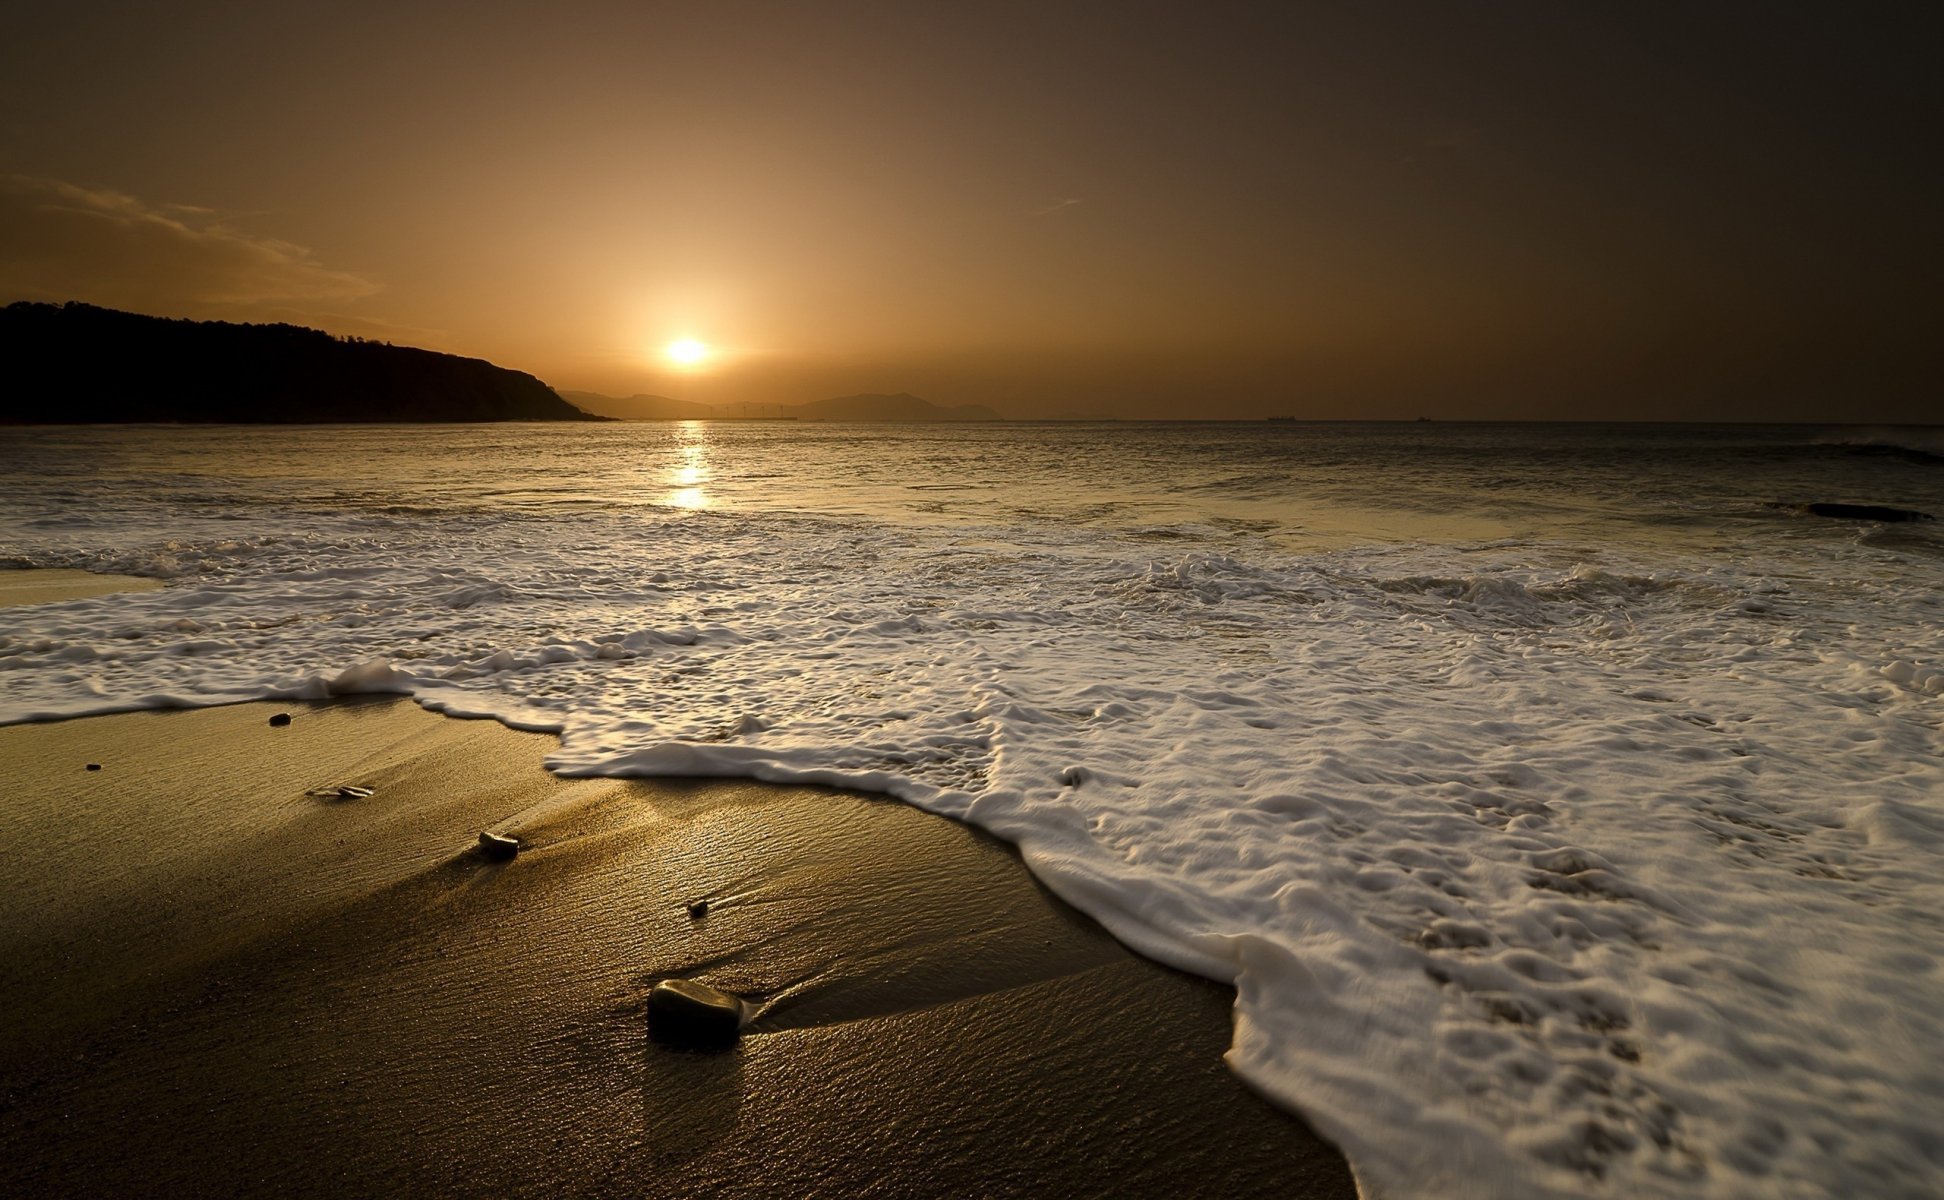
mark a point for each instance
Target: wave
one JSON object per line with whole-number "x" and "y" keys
{"x": 1532, "y": 880}
{"x": 1925, "y": 446}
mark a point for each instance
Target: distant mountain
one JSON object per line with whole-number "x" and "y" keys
{"x": 639, "y": 407}
{"x": 868, "y": 407}
{"x": 901, "y": 406}
{"x": 75, "y": 363}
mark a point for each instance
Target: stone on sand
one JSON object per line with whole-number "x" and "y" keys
{"x": 682, "y": 1012}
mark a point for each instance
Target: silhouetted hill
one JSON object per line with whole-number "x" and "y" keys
{"x": 75, "y": 363}
{"x": 639, "y": 407}
{"x": 868, "y": 407}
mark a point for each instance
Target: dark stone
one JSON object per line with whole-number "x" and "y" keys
{"x": 280, "y": 719}
{"x": 1884, "y": 450}
{"x": 497, "y": 848}
{"x": 682, "y": 1012}
{"x": 94, "y": 766}
{"x": 1866, "y": 512}
{"x": 698, "y": 910}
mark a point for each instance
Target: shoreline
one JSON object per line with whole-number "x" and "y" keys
{"x": 225, "y": 981}
{"x": 51, "y": 585}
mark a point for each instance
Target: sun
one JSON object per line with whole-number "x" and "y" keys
{"x": 686, "y": 352}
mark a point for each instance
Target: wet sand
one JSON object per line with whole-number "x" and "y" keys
{"x": 48, "y": 586}
{"x": 221, "y": 978}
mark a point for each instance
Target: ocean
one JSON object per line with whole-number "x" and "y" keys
{"x": 1564, "y": 802}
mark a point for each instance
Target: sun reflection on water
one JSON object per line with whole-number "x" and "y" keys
{"x": 691, "y": 470}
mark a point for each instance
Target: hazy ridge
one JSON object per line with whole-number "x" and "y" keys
{"x": 865, "y": 406}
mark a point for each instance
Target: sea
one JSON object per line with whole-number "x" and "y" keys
{"x": 1564, "y": 801}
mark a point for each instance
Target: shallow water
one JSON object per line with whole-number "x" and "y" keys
{"x": 1564, "y": 805}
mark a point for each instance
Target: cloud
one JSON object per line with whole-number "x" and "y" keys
{"x": 63, "y": 242}
{"x": 1059, "y": 205}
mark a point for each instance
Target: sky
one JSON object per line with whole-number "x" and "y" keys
{"x": 1386, "y": 209}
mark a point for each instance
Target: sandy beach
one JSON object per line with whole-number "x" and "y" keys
{"x": 225, "y": 978}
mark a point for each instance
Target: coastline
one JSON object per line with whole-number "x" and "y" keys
{"x": 1490, "y": 835}
{"x": 225, "y": 981}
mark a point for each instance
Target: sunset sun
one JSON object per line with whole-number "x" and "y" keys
{"x": 1318, "y": 600}
{"x": 686, "y": 352}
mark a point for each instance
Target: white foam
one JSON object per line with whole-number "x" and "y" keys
{"x": 1540, "y": 869}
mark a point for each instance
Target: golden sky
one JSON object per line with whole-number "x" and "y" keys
{"x": 1385, "y": 209}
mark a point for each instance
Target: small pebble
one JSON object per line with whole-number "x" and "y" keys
{"x": 280, "y": 719}
{"x": 94, "y": 766}
{"x": 698, "y": 910}
{"x": 497, "y": 848}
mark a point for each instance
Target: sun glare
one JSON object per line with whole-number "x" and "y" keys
{"x": 686, "y": 353}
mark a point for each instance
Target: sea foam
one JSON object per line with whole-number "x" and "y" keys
{"x": 1541, "y": 868}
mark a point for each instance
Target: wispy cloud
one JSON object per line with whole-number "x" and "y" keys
{"x": 1059, "y": 205}
{"x": 61, "y": 241}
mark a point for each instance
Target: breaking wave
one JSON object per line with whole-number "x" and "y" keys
{"x": 1541, "y": 868}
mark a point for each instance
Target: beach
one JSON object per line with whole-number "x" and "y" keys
{"x": 224, "y": 977}
{"x": 1547, "y": 794}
